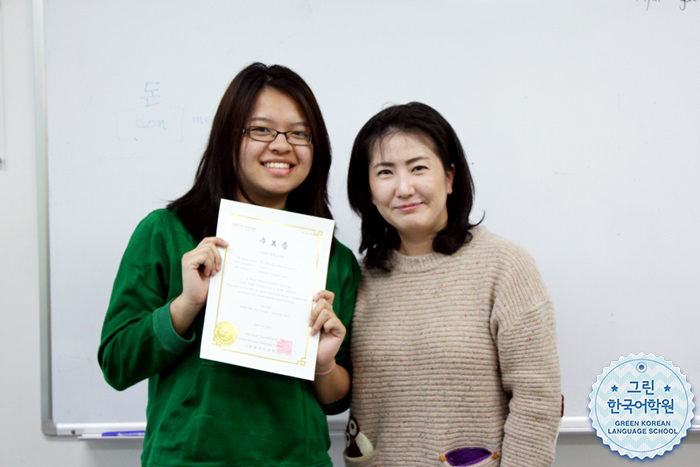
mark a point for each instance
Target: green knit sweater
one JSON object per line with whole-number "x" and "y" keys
{"x": 456, "y": 351}
{"x": 200, "y": 412}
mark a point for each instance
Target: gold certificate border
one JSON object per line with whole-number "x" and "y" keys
{"x": 319, "y": 236}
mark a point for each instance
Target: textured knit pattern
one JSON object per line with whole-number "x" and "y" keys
{"x": 454, "y": 351}
{"x": 203, "y": 413}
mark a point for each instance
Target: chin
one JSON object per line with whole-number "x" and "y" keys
{"x": 411, "y": 228}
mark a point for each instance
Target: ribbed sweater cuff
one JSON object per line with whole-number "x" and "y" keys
{"x": 166, "y": 333}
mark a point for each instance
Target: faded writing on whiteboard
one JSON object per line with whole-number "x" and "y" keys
{"x": 682, "y": 6}
{"x": 648, "y": 2}
{"x": 151, "y": 98}
{"x": 685, "y": 2}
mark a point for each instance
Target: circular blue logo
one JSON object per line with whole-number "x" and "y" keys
{"x": 641, "y": 405}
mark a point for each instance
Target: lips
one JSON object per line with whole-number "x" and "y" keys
{"x": 407, "y": 207}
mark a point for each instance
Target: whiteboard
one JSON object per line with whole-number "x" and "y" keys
{"x": 3, "y": 160}
{"x": 579, "y": 120}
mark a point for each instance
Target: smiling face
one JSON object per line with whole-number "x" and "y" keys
{"x": 409, "y": 187}
{"x": 270, "y": 171}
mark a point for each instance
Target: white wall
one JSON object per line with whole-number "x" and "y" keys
{"x": 21, "y": 440}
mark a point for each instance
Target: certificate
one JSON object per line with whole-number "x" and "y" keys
{"x": 259, "y": 304}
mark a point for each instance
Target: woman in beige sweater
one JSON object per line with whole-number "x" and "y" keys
{"x": 453, "y": 348}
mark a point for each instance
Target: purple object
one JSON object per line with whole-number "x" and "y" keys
{"x": 466, "y": 456}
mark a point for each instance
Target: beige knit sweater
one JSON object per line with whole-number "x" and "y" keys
{"x": 454, "y": 351}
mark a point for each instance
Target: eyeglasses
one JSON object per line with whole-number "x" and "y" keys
{"x": 268, "y": 135}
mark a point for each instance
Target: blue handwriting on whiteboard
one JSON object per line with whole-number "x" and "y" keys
{"x": 151, "y": 97}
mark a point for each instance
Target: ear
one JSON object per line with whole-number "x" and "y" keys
{"x": 449, "y": 177}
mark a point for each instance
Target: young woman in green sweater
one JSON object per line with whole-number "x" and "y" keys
{"x": 268, "y": 146}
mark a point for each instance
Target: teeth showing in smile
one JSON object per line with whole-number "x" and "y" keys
{"x": 277, "y": 165}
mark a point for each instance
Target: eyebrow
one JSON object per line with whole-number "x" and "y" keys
{"x": 272, "y": 122}
{"x": 391, "y": 164}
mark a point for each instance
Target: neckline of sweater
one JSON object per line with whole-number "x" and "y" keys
{"x": 424, "y": 263}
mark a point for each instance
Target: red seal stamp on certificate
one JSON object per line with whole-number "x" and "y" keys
{"x": 641, "y": 406}
{"x": 284, "y": 347}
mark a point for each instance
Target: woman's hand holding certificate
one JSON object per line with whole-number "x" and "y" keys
{"x": 324, "y": 320}
{"x": 259, "y": 304}
{"x": 198, "y": 266}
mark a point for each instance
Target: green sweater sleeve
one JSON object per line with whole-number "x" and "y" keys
{"x": 343, "y": 277}
{"x": 138, "y": 339}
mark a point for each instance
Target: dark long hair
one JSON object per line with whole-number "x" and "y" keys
{"x": 379, "y": 238}
{"x": 218, "y": 175}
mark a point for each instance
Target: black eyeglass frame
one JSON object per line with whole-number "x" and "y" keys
{"x": 276, "y": 133}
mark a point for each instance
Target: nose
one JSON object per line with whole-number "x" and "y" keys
{"x": 404, "y": 187}
{"x": 280, "y": 143}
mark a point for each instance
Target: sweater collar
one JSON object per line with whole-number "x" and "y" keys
{"x": 424, "y": 263}
{"x": 410, "y": 264}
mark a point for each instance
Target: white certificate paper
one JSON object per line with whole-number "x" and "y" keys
{"x": 259, "y": 304}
